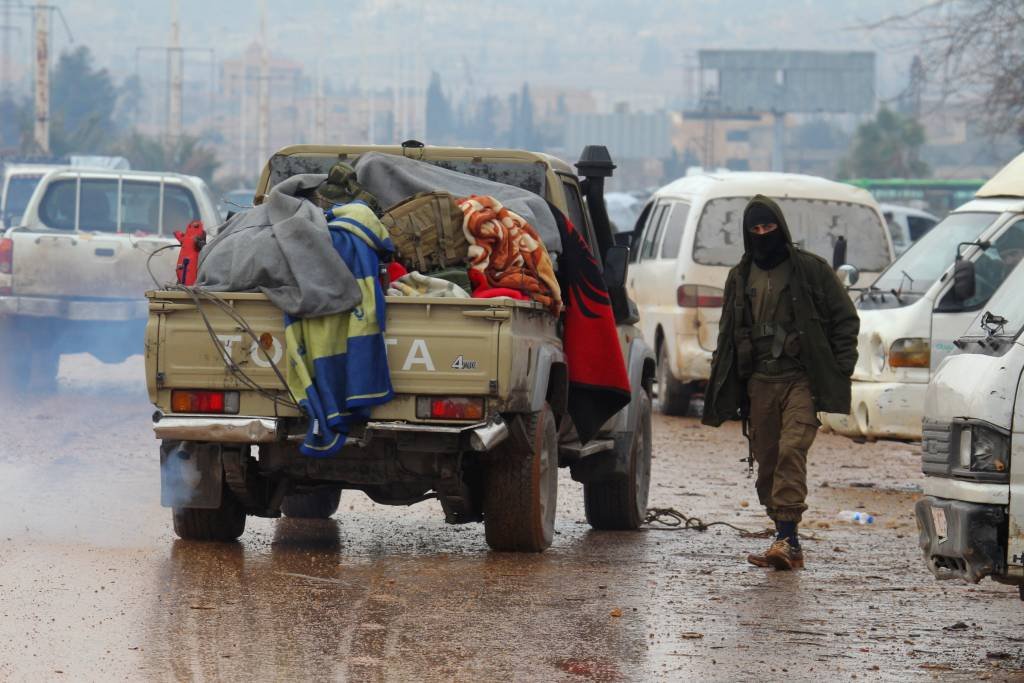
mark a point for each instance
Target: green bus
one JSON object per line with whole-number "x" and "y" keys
{"x": 936, "y": 196}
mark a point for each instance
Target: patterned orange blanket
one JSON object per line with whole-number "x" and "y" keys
{"x": 508, "y": 252}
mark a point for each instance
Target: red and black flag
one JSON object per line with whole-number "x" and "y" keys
{"x": 598, "y": 381}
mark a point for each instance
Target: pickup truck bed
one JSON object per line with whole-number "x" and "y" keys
{"x": 436, "y": 346}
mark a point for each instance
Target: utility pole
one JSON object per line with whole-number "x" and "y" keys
{"x": 175, "y": 82}
{"x": 5, "y": 67}
{"x": 42, "y": 78}
{"x": 263, "y": 130}
{"x": 319, "y": 109}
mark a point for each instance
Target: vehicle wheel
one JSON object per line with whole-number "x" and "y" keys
{"x": 15, "y": 364}
{"x": 521, "y": 490}
{"x": 225, "y": 523}
{"x": 621, "y": 503}
{"x": 673, "y": 395}
{"x": 319, "y": 504}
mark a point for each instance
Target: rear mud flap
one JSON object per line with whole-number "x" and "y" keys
{"x": 191, "y": 475}
{"x": 606, "y": 465}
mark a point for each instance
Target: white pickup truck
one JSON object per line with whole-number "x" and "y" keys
{"x": 74, "y": 270}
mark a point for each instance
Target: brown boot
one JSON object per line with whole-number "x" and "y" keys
{"x": 784, "y": 556}
{"x": 796, "y": 557}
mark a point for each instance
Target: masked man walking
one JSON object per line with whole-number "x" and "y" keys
{"x": 787, "y": 345}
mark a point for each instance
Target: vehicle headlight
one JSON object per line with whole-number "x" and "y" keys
{"x": 910, "y": 353}
{"x": 984, "y": 449}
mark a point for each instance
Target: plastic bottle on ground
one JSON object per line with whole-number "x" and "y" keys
{"x": 857, "y": 517}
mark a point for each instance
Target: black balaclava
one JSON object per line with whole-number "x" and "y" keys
{"x": 767, "y": 250}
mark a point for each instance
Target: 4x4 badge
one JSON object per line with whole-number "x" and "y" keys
{"x": 460, "y": 363}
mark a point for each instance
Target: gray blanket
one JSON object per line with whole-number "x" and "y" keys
{"x": 393, "y": 178}
{"x": 281, "y": 248}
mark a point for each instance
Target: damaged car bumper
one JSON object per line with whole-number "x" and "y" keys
{"x": 961, "y": 540}
{"x": 481, "y": 436}
{"x": 881, "y": 410}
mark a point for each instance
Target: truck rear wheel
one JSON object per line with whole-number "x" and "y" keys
{"x": 521, "y": 490}
{"x": 673, "y": 395}
{"x": 225, "y": 523}
{"x": 621, "y": 503}
{"x": 319, "y": 504}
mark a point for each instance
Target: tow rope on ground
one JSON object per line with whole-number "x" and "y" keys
{"x": 670, "y": 519}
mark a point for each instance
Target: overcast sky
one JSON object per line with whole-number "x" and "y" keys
{"x": 634, "y": 50}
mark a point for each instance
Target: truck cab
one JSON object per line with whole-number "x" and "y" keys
{"x": 971, "y": 517}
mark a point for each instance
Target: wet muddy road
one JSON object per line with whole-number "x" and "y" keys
{"x": 93, "y": 585}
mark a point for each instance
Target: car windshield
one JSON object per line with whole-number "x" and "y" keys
{"x": 814, "y": 224}
{"x": 1006, "y": 303}
{"x": 19, "y": 191}
{"x": 928, "y": 258}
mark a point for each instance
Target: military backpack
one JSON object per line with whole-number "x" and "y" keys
{"x": 426, "y": 230}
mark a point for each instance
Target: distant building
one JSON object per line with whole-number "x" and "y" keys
{"x": 638, "y": 142}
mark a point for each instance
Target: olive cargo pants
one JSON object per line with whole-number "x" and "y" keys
{"x": 783, "y": 425}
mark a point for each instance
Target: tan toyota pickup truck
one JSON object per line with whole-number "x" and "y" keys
{"x": 479, "y": 419}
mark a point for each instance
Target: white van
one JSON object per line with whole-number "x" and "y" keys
{"x": 906, "y": 225}
{"x": 689, "y": 236}
{"x": 971, "y": 516}
{"x": 910, "y": 317}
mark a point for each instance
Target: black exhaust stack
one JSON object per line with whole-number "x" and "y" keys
{"x": 594, "y": 166}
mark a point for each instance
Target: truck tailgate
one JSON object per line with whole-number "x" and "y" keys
{"x": 85, "y": 265}
{"x": 434, "y": 346}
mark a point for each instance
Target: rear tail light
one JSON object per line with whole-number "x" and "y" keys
{"x": 910, "y": 353}
{"x": 448, "y": 408}
{"x": 6, "y": 262}
{"x": 699, "y": 296}
{"x": 6, "y": 256}
{"x": 189, "y": 401}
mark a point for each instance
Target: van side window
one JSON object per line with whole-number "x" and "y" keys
{"x": 674, "y": 230}
{"x": 919, "y": 226}
{"x": 636, "y": 240}
{"x": 653, "y": 232}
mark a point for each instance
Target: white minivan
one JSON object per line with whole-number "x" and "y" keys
{"x": 971, "y": 516}
{"x": 912, "y": 314}
{"x": 690, "y": 234}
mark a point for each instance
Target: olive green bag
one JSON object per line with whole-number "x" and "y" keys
{"x": 426, "y": 230}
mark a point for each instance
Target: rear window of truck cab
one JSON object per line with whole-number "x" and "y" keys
{"x": 107, "y": 205}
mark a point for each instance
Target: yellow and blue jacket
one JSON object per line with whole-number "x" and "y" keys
{"x": 337, "y": 364}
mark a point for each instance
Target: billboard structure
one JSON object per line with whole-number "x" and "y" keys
{"x": 788, "y": 82}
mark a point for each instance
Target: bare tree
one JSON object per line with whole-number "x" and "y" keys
{"x": 972, "y": 52}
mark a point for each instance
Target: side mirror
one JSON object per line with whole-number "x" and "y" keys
{"x": 839, "y": 253}
{"x": 964, "y": 282}
{"x": 848, "y": 275}
{"x": 616, "y": 264}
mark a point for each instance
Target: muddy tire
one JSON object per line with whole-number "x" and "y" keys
{"x": 521, "y": 490}
{"x": 673, "y": 395}
{"x": 225, "y": 523}
{"x": 621, "y": 504}
{"x": 319, "y": 504}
